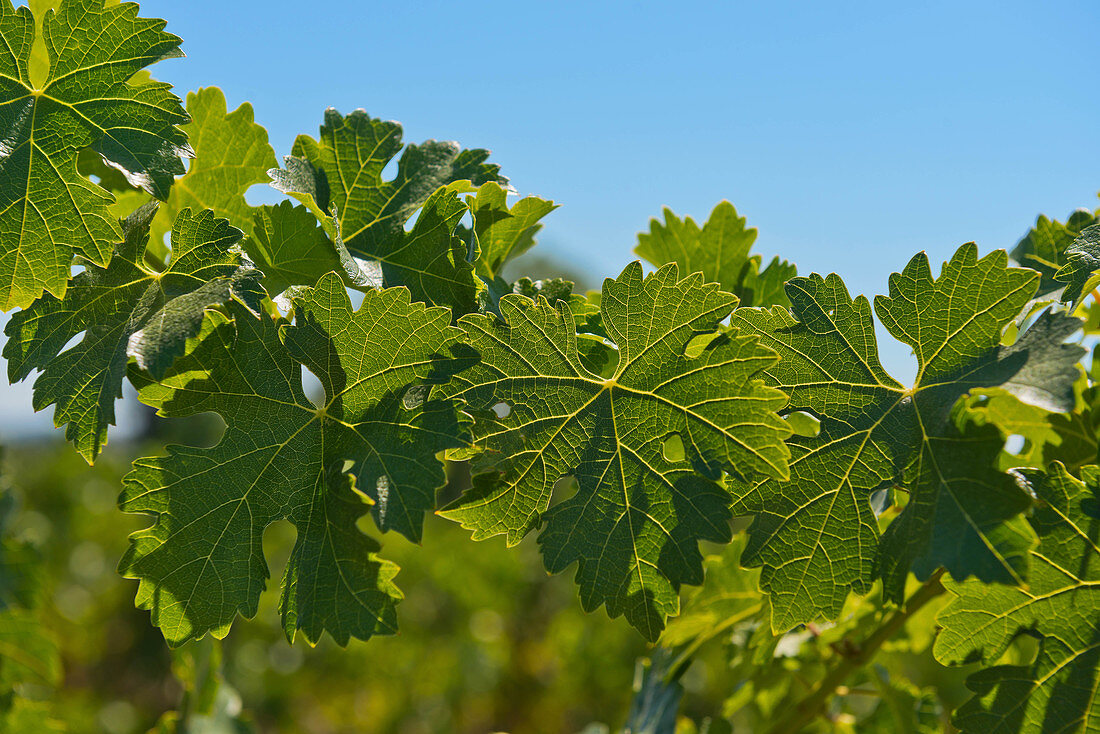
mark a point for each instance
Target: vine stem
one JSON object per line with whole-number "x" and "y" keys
{"x": 814, "y": 703}
{"x": 680, "y": 663}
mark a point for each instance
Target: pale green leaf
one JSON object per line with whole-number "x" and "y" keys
{"x": 502, "y": 233}
{"x": 719, "y": 250}
{"x": 231, "y": 154}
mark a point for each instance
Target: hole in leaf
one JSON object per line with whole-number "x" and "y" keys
{"x": 389, "y": 171}
{"x": 278, "y": 542}
{"x": 415, "y": 396}
{"x": 881, "y": 500}
{"x": 1015, "y": 444}
{"x": 502, "y": 409}
{"x": 673, "y": 448}
{"x": 803, "y": 424}
{"x": 313, "y": 388}
{"x": 564, "y": 488}
{"x": 698, "y": 343}
{"x": 259, "y": 194}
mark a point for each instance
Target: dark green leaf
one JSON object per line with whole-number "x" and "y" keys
{"x": 634, "y": 523}
{"x": 342, "y": 173}
{"x": 292, "y": 248}
{"x": 48, "y": 211}
{"x": 201, "y": 563}
{"x": 815, "y": 536}
{"x": 1043, "y": 248}
{"x": 1060, "y": 605}
{"x": 125, "y": 310}
{"x": 1082, "y": 261}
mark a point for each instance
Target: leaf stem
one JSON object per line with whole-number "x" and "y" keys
{"x": 814, "y": 703}
{"x": 676, "y": 669}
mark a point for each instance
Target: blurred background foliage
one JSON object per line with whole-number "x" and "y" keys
{"x": 488, "y": 641}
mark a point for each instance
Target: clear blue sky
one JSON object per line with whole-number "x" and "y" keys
{"x": 851, "y": 134}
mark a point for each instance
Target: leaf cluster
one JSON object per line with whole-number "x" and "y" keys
{"x": 624, "y": 427}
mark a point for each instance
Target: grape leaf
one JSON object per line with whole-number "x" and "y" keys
{"x": 634, "y": 523}
{"x": 1082, "y": 260}
{"x": 816, "y": 537}
{"x": 729, "y": 595}
{"x": 502, "y": 233}
{"x": 430, "y": 260}
{"x": 125, "y": 310}
{"x": 231, "y": 154}
{"x": 48, "y": 211}
{"x": 720, "y": 250}
{"x": 281, "y": 457}
{"x": 1060, "y": 605}
{"x": 292, "y": 248}
{"x": 1070, "y": 438}
{"x": 1043, "y": 248}
{"x": 341, "y": 174}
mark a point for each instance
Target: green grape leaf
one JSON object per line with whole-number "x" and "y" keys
{"x": 1046, "y": 436}
{"x": 1044, "y": 247}
{"x": 1060, "y": 605}
{"x": 48, "y": 211}
{"x": 125, "y": 310}
{"x": 729, "y": 595}
{"x": 430, "y": 260}
{"x": 341, "y": 174}
{"x": 719, "y": 250}
{"x": 634, "y": 524}
{"x": 502, "y": 233}
{"x": 816, "y": 537}
{"x": 201, "y": 562}
{"x": 292, "y": 248}
{"x": 1082, "y": 261}
{"x": 231, "y": 154}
